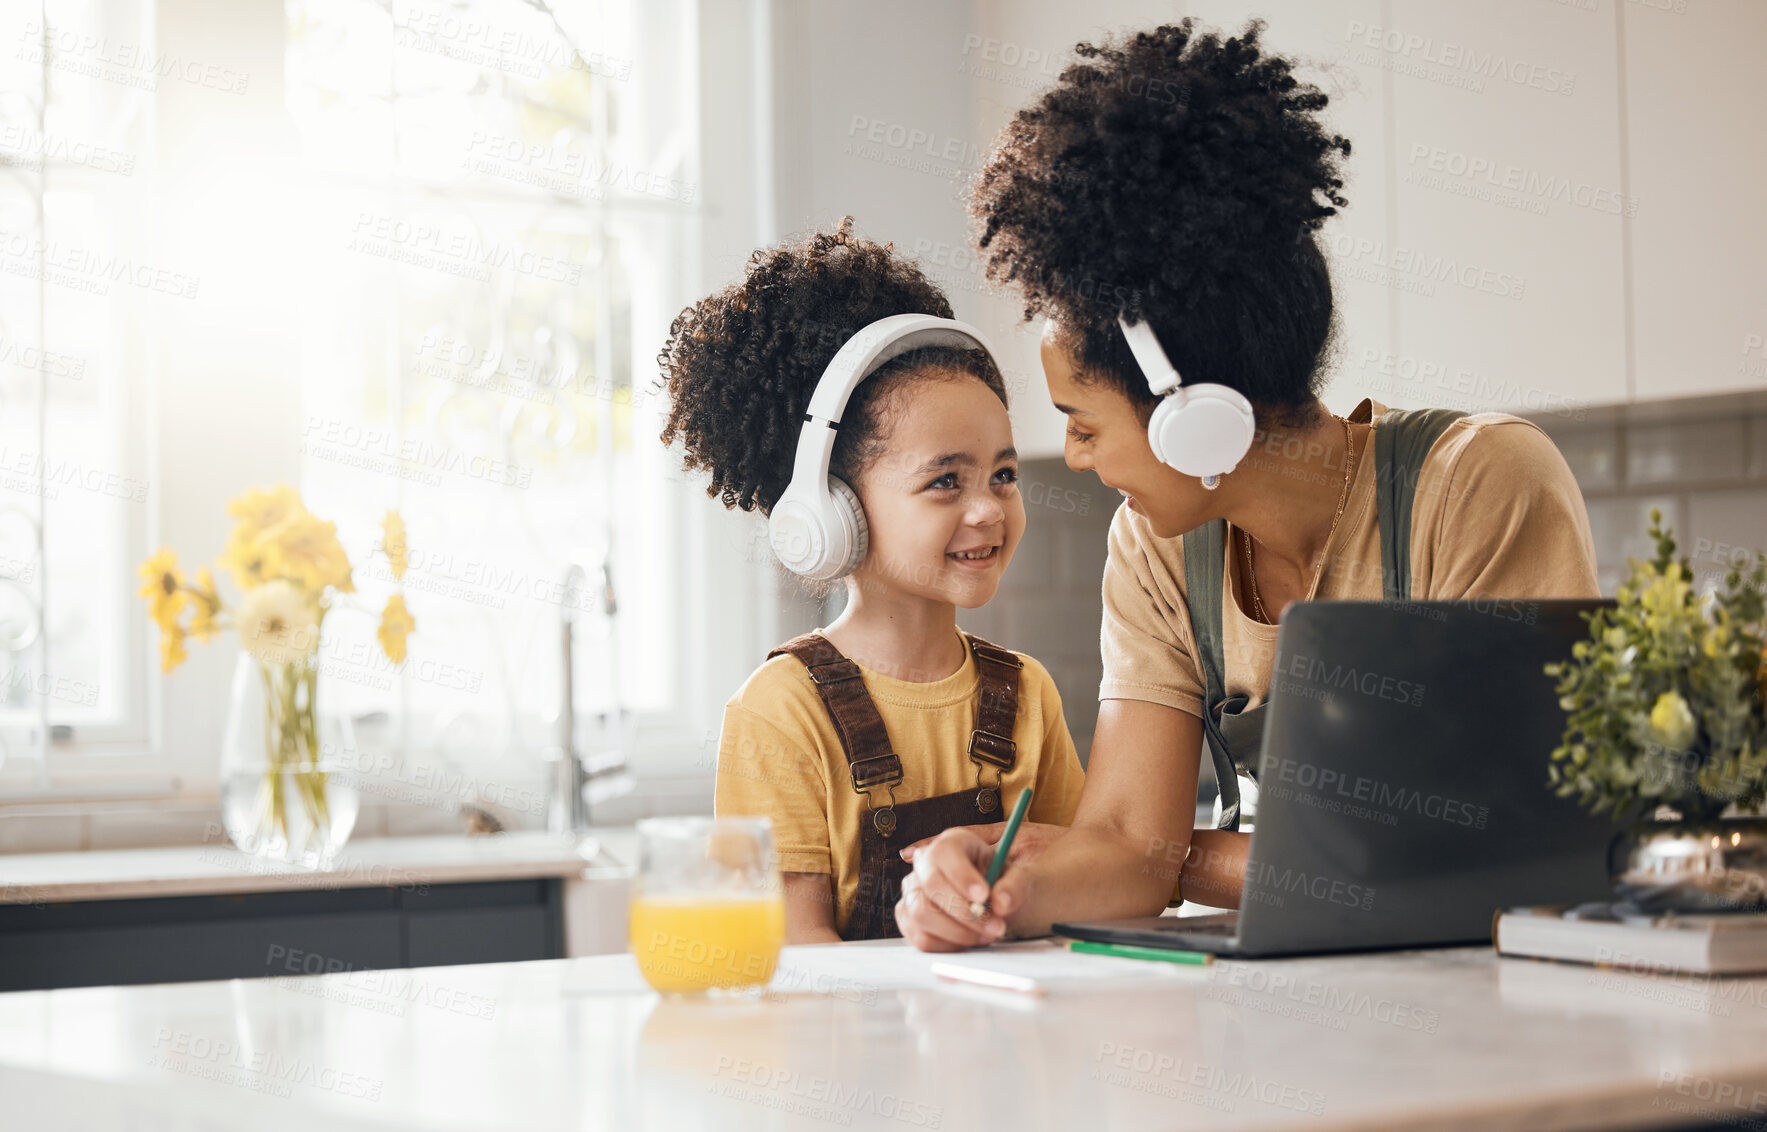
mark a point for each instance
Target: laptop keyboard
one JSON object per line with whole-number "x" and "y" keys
{"x": 1222, "y": 925}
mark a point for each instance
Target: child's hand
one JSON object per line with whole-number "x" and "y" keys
{"x": 1032, "y": 837}
{"x": 948, "y": 877}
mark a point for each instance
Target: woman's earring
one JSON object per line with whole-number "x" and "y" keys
{"x": 1210, "y": 483}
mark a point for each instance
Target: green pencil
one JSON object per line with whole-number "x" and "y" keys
{"x": 977, "y": 908}
{"x": 998, "y": 864}
{"x": 1129, "y": 951}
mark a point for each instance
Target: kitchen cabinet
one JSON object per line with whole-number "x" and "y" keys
{"x": 1695, "y": 107}
{"x": 278, "y": 934}
{"x": 1505, "y": 263}
{"x": 180, "y": 913}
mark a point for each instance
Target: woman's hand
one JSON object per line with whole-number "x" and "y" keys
{"x": 1032, "y": 837}
{"x": 1120, "y": 858}
{"x": 935, "y": 910}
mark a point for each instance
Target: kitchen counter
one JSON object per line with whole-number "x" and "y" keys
{"x": 206, "y": 912}
{"x": 1439, "y": 1039}
{"x": 116, "y": 874}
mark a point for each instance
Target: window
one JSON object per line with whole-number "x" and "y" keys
{"x": 412, "y": 254}
{"x": 495, "y": 216}
{"x": 78, "y": 275}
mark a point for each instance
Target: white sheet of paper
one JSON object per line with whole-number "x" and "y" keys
{"x": 835, "y": 968}
{"x": 852, "y": 970}
{"x": 1057, "y": 968}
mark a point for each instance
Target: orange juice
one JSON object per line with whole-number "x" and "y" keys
{"x": 691, "y": 942}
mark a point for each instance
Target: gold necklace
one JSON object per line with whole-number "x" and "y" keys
{"x": 1318, "y": 570}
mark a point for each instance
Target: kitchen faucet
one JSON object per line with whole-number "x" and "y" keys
{"x": 572, "y": 782}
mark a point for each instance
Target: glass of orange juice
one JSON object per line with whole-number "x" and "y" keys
{"x": 708, "y": 905}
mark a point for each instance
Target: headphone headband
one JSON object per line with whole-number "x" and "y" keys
{"x": 1162, "y": 377}
{"x": 1202, "y": 430}
{"x": 861, "y": 356}
{"x": 817, "y": 527}
{"x": 879, "y": 342}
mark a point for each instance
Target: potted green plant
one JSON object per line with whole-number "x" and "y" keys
{"x": 1666, "y": 728}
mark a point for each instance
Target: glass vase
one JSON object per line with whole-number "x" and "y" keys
{"x": 287, "y": 788}
{"x": 1692, "y": 867}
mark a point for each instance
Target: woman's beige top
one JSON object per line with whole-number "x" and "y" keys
{"x": 1498, "y": 516}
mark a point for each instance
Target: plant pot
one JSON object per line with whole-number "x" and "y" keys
{"x": 1716, "y": 865}
{"x": 287, "y": 794}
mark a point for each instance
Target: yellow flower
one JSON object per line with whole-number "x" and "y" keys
{"x": 167, "y": 614}
{"x": 393, "y": 542}
{"x": 395, "y": 624}
{"x": 163, "y": 586}
{"x": 248, "y": 559}
{"x": 208, "y": 603}
{"x": 262, "y": 508}
{"x": 172, "y": 652}
{"x": 278, "y": 623}
{"x": 306, "y": 550}
{"x": 202, "y": 625}
{"x": 259, "y": 511}
{"x": 1671, "y": 722}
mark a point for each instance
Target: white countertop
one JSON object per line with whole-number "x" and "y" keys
{"x": 30, "y": 878}
{"x": 1445, "y": 1039}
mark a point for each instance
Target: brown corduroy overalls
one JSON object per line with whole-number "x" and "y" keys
{"x": 873, "y": 765}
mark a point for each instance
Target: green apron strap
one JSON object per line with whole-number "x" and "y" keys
{"x": 1205, "y": 551}
{"x": 1402, "y": 440}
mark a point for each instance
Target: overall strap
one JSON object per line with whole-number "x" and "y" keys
{"x": 838, "y": 680}
{"x": 1402, "y": 440}
{"x": 1205, "y": 550}
{"x": 866, "y": 742}
{"x": 997, "y": 683}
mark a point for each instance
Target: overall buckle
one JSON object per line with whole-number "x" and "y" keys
{"x": 995, "y": 750}
{"x": 844, "y": 670}
{"x": 887, "y": 772}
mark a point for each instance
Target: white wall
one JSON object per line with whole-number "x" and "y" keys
{"x": 1486, "y": 258}
{"x": 876, "y": 119}
{"x": 1696, "y": 105}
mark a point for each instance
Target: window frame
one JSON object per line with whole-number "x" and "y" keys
{"x": 730, "y": 600}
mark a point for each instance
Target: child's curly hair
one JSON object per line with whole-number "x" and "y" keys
{"x": 741, "y": 364}
{"x": 1175, "y": 178}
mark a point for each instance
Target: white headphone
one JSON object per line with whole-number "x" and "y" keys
{"x": 1201, "y": 430}
{"x": 817, "y": 527}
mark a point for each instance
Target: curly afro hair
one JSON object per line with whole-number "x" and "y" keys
{"x": 1176, "y": 178}
{"x": 741, "y": 364}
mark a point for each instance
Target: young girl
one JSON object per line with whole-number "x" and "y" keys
{"x": 891, "y": 724}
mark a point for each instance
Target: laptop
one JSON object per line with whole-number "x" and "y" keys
{"x": 1402, "y": 794}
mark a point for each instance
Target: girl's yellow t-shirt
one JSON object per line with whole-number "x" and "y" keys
{"x": 780, "y": 757}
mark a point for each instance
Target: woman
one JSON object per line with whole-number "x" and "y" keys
{"x": 1193, "y": 214}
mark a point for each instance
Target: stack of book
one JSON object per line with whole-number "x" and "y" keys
{"x": 1726, "y": 944}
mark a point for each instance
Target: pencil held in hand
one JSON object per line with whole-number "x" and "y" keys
{"x": 979, "y": 908}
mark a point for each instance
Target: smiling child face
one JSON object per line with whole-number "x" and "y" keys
{"x": 942, "y": 498}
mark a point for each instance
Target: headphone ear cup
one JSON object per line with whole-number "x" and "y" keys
{"x": 848, "y": 516}
{"x": 798, "y": 535}
{"x": 1202, "y": 430}
{"x": 1159, "y": 424}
